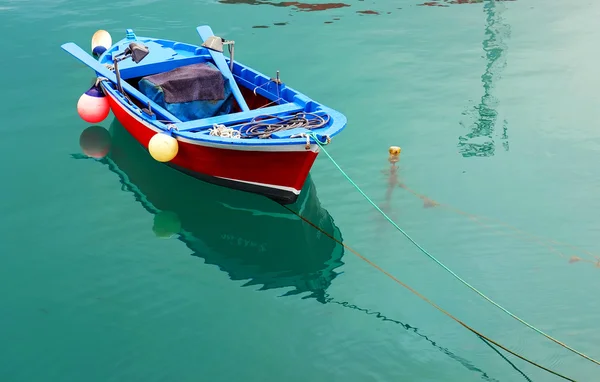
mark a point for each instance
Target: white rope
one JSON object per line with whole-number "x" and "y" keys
{"x": 225, "y": 132}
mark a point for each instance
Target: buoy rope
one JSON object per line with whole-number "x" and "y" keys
{"x": 481, "y": 335}
{"x": 548, "y": 243}
{"x": 444, "y": 266}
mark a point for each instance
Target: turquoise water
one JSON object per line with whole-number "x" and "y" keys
{"x": 494, "y": 105}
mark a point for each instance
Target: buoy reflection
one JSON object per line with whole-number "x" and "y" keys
{"x": 95, "y": 142}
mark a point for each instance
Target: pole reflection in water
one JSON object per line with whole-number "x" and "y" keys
{"x": 248, "y": 236}
{"x": 480, "y": 140}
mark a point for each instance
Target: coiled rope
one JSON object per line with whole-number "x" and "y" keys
{"x": 224, "y": 131}
{"x": 261, "y": 126}
{"x": 479, "y": 334}
{"x": 444, "y": 266}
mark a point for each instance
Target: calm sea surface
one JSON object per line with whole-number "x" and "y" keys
{"x": 495, "y": 106}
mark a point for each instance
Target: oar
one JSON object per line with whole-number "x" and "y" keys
{"x": 90, "y": 61}
{"x": 205, "y": 32}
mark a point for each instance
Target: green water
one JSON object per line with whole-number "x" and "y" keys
{"x": 495, "y": 108}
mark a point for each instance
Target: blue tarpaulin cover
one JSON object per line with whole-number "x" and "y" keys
{"x": 190, "y": 92}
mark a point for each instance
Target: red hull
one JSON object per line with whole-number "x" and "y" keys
{"x": 279, "y": 175}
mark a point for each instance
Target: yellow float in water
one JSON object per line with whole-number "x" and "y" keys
{"x": 394, "y": 154}
{"x": 163, "y": 147}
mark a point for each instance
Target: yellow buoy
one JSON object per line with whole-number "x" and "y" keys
{"x": 101, "y": 41}
{"x": 394, "y": 154}
{"x": 163, "y": 147}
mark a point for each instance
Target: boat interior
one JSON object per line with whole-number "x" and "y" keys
{"x": 180, "y": 83}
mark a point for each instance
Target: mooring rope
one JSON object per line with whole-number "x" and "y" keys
{"x": 479, "y": 334}
{"x": 444, "y": 266}
{"x": 415, "y": 330}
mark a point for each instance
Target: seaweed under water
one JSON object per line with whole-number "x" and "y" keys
{"x": 301, "y": 7}
{"x": 368, "y": 12}
{"x": 444, "y": 3}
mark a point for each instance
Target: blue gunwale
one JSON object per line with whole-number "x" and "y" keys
{"x": 167, "y": 54}
{"x": 202, "y": 135}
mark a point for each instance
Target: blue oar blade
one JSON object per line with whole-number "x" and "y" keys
{"x": 88, "y": 60}
{"x": 103, "y": 71}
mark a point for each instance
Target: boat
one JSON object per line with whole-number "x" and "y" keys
{"x": 249, "y": 237}
{"x": 208, "y": 115}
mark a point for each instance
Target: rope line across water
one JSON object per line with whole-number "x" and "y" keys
{"x": 480, "y": 335}
{"x": 551, "y": 244}
{"x": 444, "y": 266}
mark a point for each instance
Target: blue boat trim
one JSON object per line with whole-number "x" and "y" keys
{"x": 165, "y": 55}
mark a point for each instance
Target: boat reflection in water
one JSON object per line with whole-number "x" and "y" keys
{"x": 246, "y": 235}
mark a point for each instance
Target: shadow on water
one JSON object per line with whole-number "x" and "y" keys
{"x": 248, "y": 236}
{"x": 480, "y": 142}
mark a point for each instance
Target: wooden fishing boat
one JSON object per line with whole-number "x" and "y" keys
{"x": 208, "y": 115}
{"x": 247, "y": 236}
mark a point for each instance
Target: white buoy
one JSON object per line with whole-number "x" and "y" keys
{"x": 93, "y": 105}
{"x": 101, "y": 41}
{"x": 163, "y": 147}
